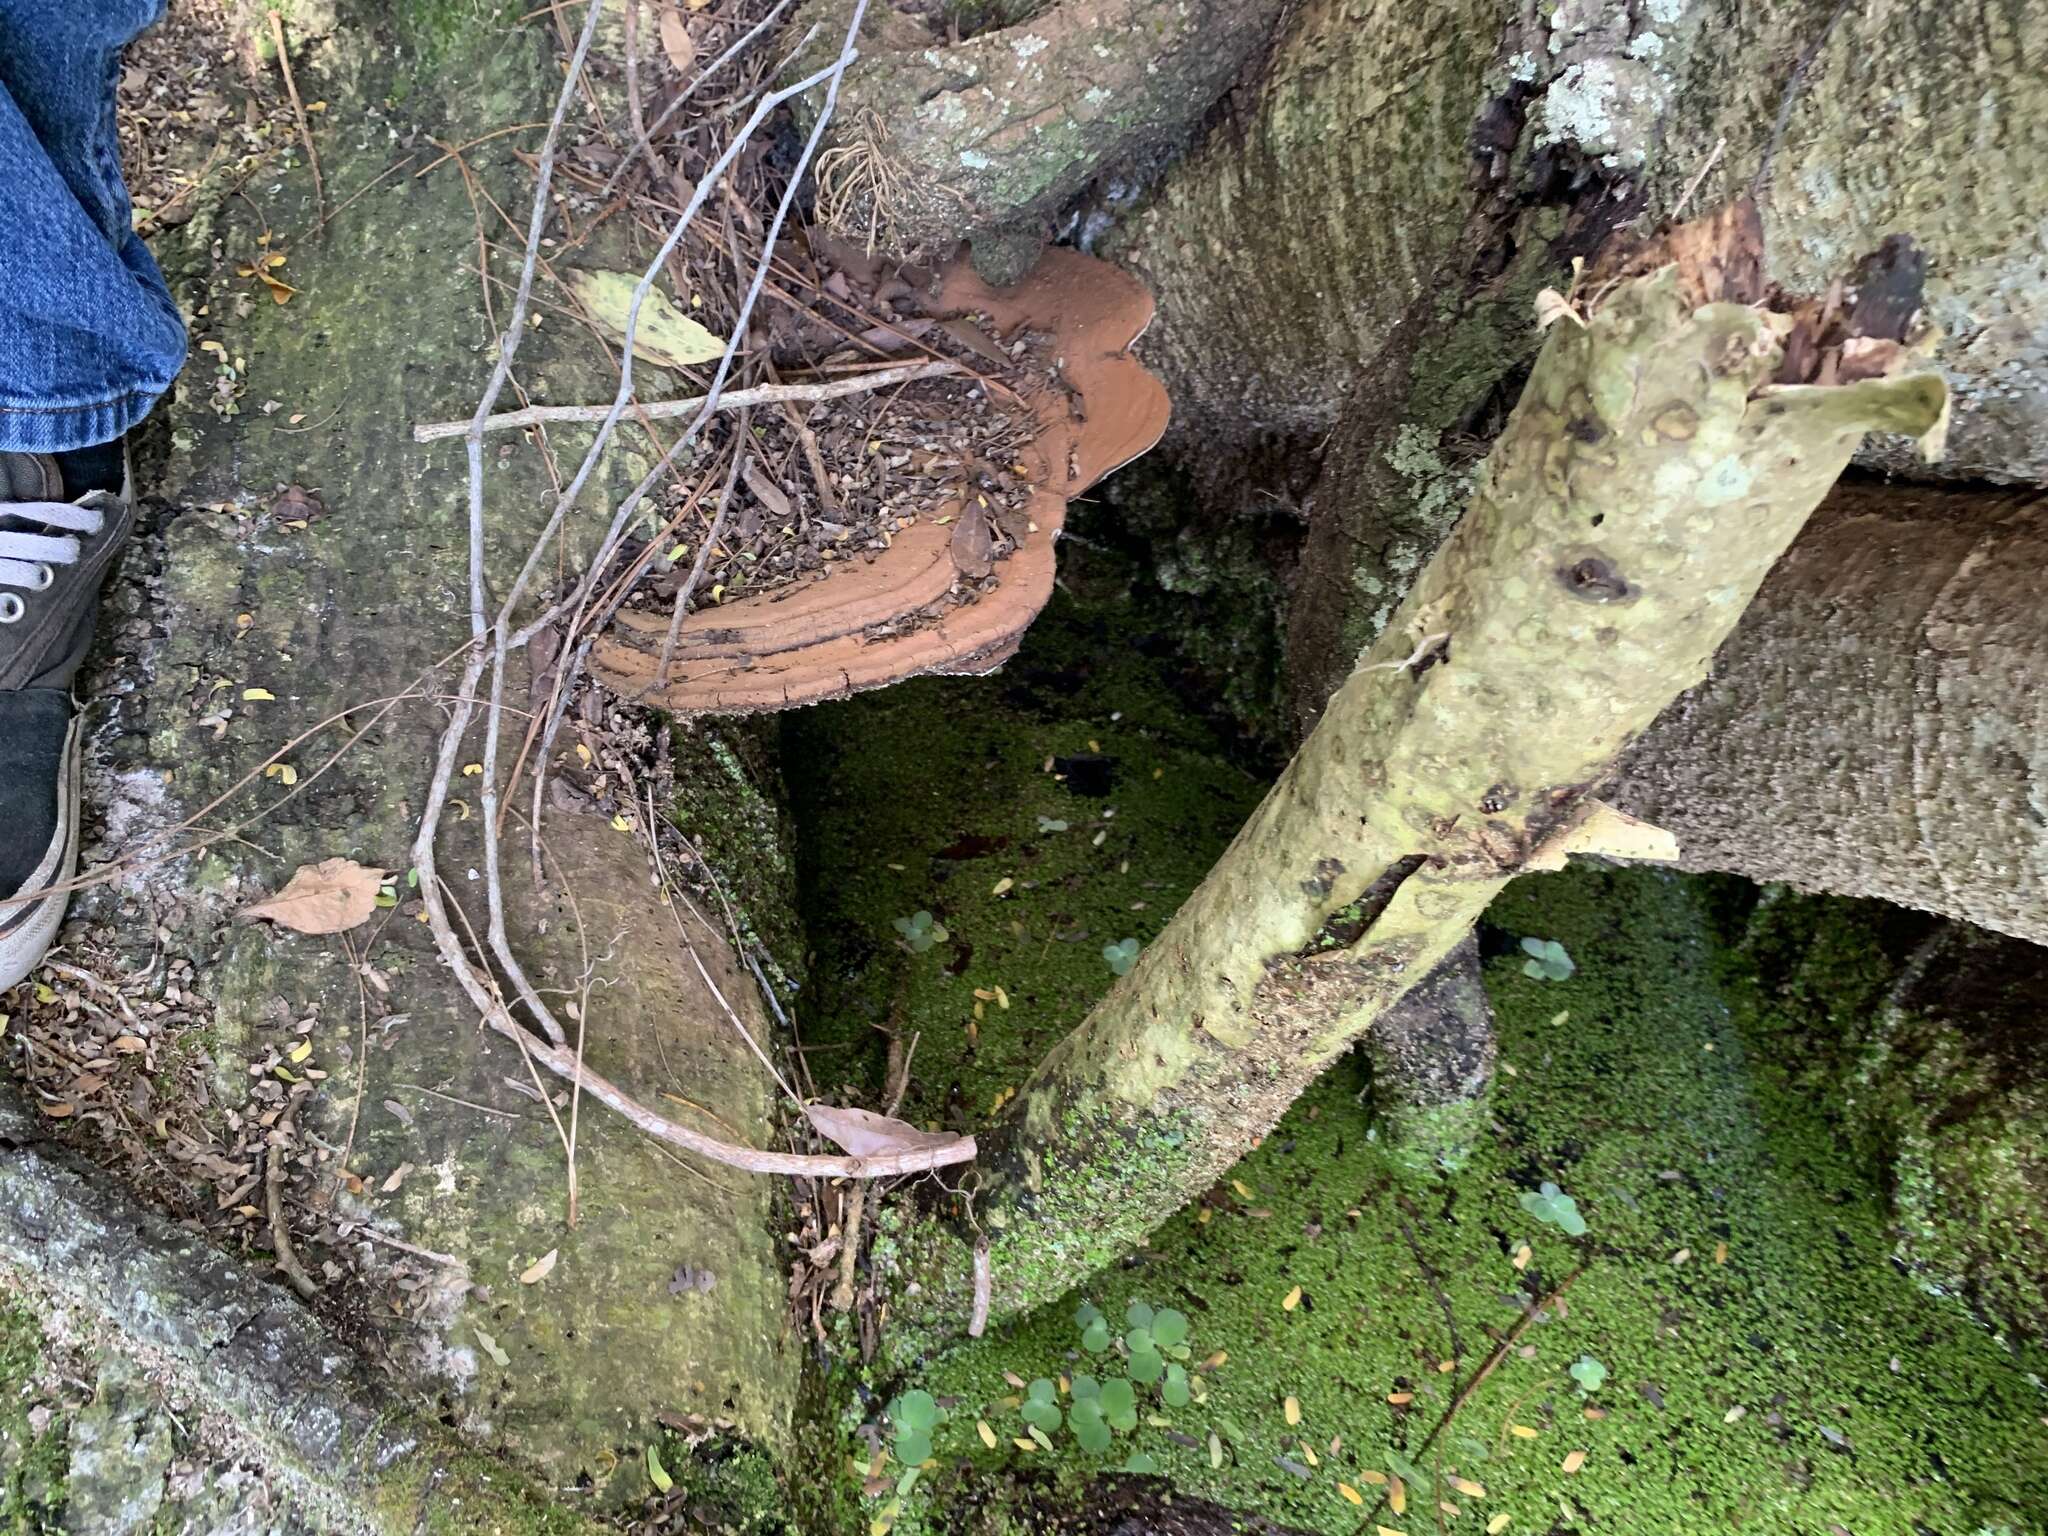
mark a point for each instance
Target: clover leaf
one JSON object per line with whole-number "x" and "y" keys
{"x": 1121, "y": 955}
{"x": 1590, "y": 1374}
{"x": 921, "y": 931}
{"x": 1086, "y": 1420}
{"x": 1119, "y": 1404}
{"x": 1547, "y": 960}
{"x": 1040, "y": 1408}
{"x": 1174, "y": 1391}
{"x": 1551, "y": 1204}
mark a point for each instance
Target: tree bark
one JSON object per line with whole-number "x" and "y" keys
{"x": 1300, "y": 325}
{"x": 989, "y": 138}
{"x": 1635, "y": 502}
{"x": 1876, "y": 725}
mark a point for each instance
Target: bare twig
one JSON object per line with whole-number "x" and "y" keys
{"x": 688, "y": 589}
{"x": 279, "y": 1140}
{"x": 984, "y": 1284}
{"x": 1500, "y": 1353}
{"x": 552, "y": 1051}
{"x": 291, "y": 86}
{"x": 729, "y": 400}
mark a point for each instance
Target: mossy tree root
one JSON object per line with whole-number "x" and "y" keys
{"x": 1647, "y": 481}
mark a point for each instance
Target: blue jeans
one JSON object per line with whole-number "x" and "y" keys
{"x": 89, "y": 335}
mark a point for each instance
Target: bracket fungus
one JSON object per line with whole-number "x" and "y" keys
{"x": 934, "y": 601}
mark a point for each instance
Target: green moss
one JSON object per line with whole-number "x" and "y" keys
{"x": 1793, "y": 1379}
{"x": 729, "y": 802}
{"x": 1940, "y": 1098}
{"x": 32, "y": 1462}
{"x": 936, "y": 796}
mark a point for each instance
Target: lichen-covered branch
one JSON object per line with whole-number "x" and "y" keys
{"x": 1642, "y": 489}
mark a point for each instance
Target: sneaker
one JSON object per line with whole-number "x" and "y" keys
{"x": 53, "y": 555}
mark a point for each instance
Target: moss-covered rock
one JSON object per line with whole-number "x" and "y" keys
{"x": 271, "y": 621}
{"x": 1924, "y": 1041}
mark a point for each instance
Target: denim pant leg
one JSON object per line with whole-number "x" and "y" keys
{"x": 89, "y": 334}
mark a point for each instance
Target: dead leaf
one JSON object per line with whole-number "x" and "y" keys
{"x": 329, "y": 897}
{"x": 540, "y": 1268}
{"x": 296, "y": 504}
{"x": 973, "y": 545}
{"x": 767, "y": 492}
{"x": 675, "y": 40}
{"x": 665, "y": 335}
{"x": 862, "y": 1133}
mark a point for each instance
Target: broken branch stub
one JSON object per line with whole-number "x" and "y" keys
{"x": 908, "y": 612}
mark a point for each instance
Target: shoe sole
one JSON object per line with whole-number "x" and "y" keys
{"x": 28, "y": 920}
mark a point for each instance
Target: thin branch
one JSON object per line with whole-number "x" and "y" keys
{"x": 291, "y": 86}
{"x": 730, "y": 400}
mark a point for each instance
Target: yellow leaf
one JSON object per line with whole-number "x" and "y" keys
{"x": 301, "y": 1051}
{"x": 1397, "y": 1496}
{"x": 1351, "y": 1493}
{"x": 257, "y": 695}
{"x": 879, "y": 1527}
{"x": 665, "y": 335}
{"x": 1002, "y": 1000}
{"x": 1387, "y": 1530}
{"x": 1720, "y": 1253}
{"x": 1497, "y": 1524}
{"x": 1215, "y": 1450}
{"x": 1522, "y": 1431}
{"x": 1204, "y": 1216}
{"x": 1292, "y": 1409}
{"x": 988, "y": 1436}
{"x": 1291, "y": 1300}
{"x": 1467, "y": 1487}
{"x": 620, "y": 824}
{"x": 1002, "y": 885}
{"x": 1308, "y": 1454}
{"x": 1398, "y": 1398}
{"x": 540, "y": 1268}
{"x": 1216, "y": 1359}
{"x": 1024, "y": 1445}
{"x": 471, "y": 770}
{"x": 284, "y": 773}
{"x": 1377, "y": 1479}
{"x": 1573, "y": 1462}
{"x": 1244, "y": 1190}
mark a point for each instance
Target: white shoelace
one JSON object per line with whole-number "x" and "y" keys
{"x": 26, "y": 558}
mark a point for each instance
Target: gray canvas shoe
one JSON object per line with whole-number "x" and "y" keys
{"x": 54, "y": 553}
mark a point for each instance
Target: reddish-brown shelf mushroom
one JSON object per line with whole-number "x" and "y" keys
{"x": 899, "y": 616}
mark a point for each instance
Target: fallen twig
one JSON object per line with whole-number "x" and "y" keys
{"x": 273, "y": 1190}
{"x": 291, "y": 86}
{"x": 728, "y": 400}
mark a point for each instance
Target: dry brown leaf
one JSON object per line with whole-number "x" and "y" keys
{"x": 540, "y": 1268}
{"x": 675, "y": 40}
{"x": 862, "y": 1133}
{"x": 329, "y": 897}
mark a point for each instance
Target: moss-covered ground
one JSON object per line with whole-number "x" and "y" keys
{"x": 32, "y": 1442}
{"x": 1767, "y": 1367}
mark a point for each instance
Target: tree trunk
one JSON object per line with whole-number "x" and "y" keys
{"x": 1299, "y": 324}
{"x": 989, "y": 139}
{"x": 1640, "y": 493}
{"x": 1876, "y": 725}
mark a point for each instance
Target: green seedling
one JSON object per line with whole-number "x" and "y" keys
{"x": 921, "y": 931}
{"x": 1551, "y": 1204}
{"x": 1547, "y": 960}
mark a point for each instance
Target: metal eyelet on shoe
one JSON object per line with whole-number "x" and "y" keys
{"x": 11, "y": 608}
{"x": 44, "y": 577}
